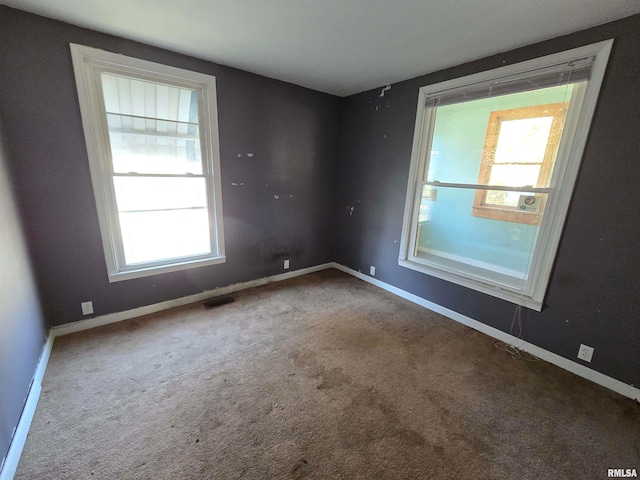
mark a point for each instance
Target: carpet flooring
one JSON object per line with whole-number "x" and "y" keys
{"x": 323, "y": 377}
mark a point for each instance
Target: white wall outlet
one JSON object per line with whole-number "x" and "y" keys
{"x": 372, "y": 271}
{"x": 585, "y": 353}
{"x": 286, "y": 264}
{"x": 87, "y": 308}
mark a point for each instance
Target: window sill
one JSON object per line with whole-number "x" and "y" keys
{"x": 157, "y": 270}
{"x": 475, "y": 283}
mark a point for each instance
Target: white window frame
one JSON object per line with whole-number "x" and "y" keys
{"x": 560, "y": 191}
{"x": 88, "y": 64}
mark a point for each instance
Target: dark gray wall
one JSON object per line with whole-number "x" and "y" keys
{"x": 22, "y": 327}
{"x": 593, "y": 294}
{"x": 292, "y": 132}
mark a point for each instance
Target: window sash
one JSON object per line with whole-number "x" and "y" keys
{"x": 107, "y": 166}
{"x": 565, "y": 172}
{"x": 89, "y": 64}
{"x": 495, "y": 280}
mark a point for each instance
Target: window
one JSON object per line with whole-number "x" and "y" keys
{"x": 494, "y": 162}
{"x": 152, "y": 141}
{"x": 519, "y": 149}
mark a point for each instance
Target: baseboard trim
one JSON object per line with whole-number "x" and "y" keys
{"x": 573, "y": 367}
{"x": 89, "y": 323}
{"x": 10, "y": 465}
{"x": 20, "y": 434}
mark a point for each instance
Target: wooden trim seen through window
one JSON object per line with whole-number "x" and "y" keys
{"x": 483, "y": 208}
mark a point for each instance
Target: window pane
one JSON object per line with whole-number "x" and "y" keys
{"x": 132, "y": 96}
{"x": 153, "y": 128}
{"x": 452, "y": 237}
{"x": 514, "y": 175}
{"x": 153, "y": 193}
{"x": 523, "y": 141}
{"x": 141, "y": 153}
{"x": 162, "y": 218}
{"x": 460, "y": 134}
{"x": 161, "y": 235}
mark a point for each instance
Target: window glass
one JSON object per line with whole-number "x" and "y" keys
{"x": 151, "y": 236}
{"x": 494, "y": 162}
{"x": 462, "y": 146}
{"x": 499, "y": 141}
{"x": 449, "y": 234}
{"x": 151, "y": 137}
{"x": 153, "y": 128}
{"x": 162, "y": 218}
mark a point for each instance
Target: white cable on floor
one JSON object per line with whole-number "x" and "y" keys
{"x": 516, "y": 352}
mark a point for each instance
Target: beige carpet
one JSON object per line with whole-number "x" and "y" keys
{"x": 323, "y": 376}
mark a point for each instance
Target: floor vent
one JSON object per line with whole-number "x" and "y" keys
{"x": 217, "y": 302}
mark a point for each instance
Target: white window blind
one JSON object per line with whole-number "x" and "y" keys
{"x": 551, "y": 76}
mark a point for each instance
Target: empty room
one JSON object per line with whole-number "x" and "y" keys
{"x": 328, "y": 239}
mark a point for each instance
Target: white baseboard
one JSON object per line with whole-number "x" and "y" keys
{"x": 88, "y": 323}
{"x": 20, "y": 434}
{"x": 17, "y": 443}
{"x": 573, "y": 367}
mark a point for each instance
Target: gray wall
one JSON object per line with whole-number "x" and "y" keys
{"x": 22, "y": 328}
{"x": 292, "y": 132}
{"x": 593, "y": 294}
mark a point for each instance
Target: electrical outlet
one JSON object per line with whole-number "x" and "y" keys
{"x": 286, "y": 264}
{"x": 87, "y": 308}
{"x": 372, "y": 271}
{"x": 585, "y": 353}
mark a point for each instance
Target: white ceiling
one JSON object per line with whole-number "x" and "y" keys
{"x": 335, "y": 46}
